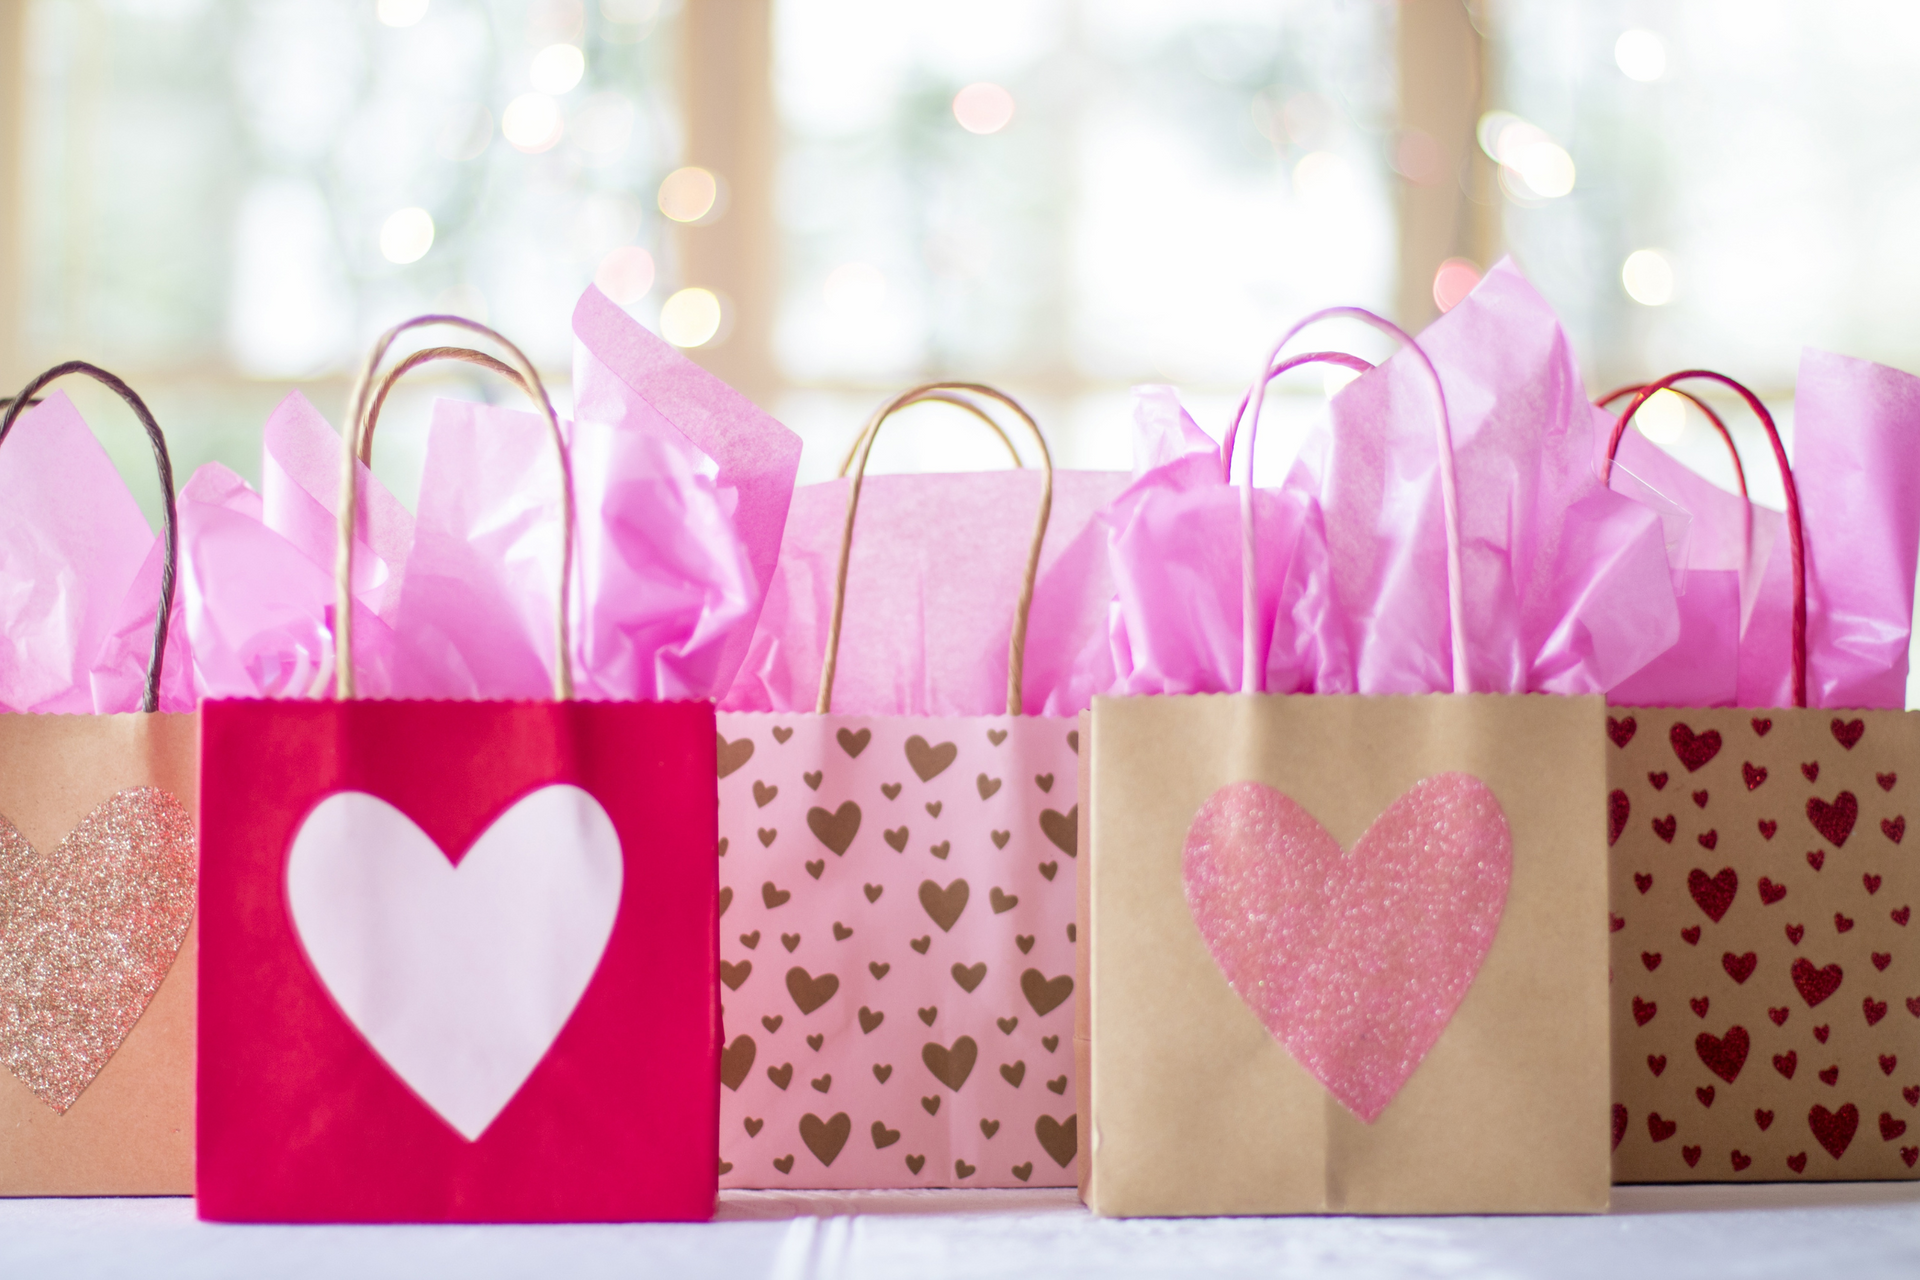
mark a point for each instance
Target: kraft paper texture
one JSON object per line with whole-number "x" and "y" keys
{"x": 1196, "y": 1109}
{"x": 1781, "y": 1041}
{"x": 131, "y": 1131}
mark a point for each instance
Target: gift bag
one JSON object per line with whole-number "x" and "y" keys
{"x": 1766, "y": 1008}
{"x": 460, "y": 954}
{"x": 897, "y": 919}
{"x": 1334, "y": 943}
{"x": 97, "y": 853}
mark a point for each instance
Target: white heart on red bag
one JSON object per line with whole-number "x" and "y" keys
{"x": 460, "y": 977}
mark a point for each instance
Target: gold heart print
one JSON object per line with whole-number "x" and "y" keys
{"x": 87, "y": 934}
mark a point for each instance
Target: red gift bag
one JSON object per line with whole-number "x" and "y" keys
{"x": 459, "y": 958}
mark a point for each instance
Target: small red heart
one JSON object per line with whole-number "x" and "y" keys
{"x": 1874, "y": 1009}
{"x": 1619, "y": 808}
{"x": 1886, "y": 780}
{"x": 1761, "y": 724}
{"x": 1659, "y": 780}
{"x": 1694, "y": 749}
{"x": 1881, "y": 959}
{"x": 1651, "y": 959}
{"x": 1815, "y": 984}
{"x": 1911, "y": 1155}
{"x": 1708, "y": 839}
{"x": 1841, "y": 923}
{"x": 1834, "y": 1129}
{"x": 1795, "y": 932}
{"x": 1821, "y": 1032}
{"x": 1847, "y": 732}
{"x": 1614, "y": 923}
{"x": 1723, "y": 1055}
{"x": 1619, "y": 1124}
{"x": 1621, "y": 730}
{"x": 1660, "y": 1130}
{"x": 1665, "y": 827}
{"x": 1705, "y": 1094}
{"x": 1888, "y": 1061}
{"x": 1893, "y": 828}
{"x": 1913, "y": 1005}
{"x": 1656, "y": 1062}
{"x": 1642, "y": 882}
{"x": 1700, "y": 799}
{"x": 1834, "y": 821}
{"x": 1754, "y": 776}
{"x": 1691, "y": 935}
{"x": 1901, "y": 915}
{"x": 1643, "y": 1011}
{"x": 1785, "y": 1063}
{"x": 1713, "y": 894}
{"x": 1778, "y": 1015}
{"x": 1798, "y": 1163}
{"x": 1816, "y": 858}
{"x": 1691, "y": 1155}
{"x": 1739, "y": 968}
{"x": 1831, "y": 1075}
{"x": 1912, "y": 1094}
{"x": 1770, "y": 892}
{"x": 1740, "y": 1162}
{"x": 1871, "y": 881}
{"x": 1891, "y": 1128}
{"x": 1762, "y": 1118}
{"x": 1767, "y": 827}
{"x": 1699, "y": 1004}
{"x": 1811, "y": 771}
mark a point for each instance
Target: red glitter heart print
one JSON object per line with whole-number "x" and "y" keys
{"x": 1643, "y": 1011}
{"x": 1913, "y": 1005}
{"x": 1891, "y": 1128}
{"x": 1694, "y": 750}
{"x": 1831, "y": 1075}
{"x": 1900, "y": 915}
{"x": 1354, "y": 961}
{"x": 1893, "y": 828}
{"x": 1834, "y": 1130}
{"x": 1886, "y": 780}
{"x": 1814, "y": 984}
{"x": 1691, "y": 935}
{"x": 1795, "y": 932}
{"x": 1763, "y": 1118}
{"x": 1770, "y": 892}
{"x": 1659, "y": 780}
{"x": 1619, "y": 808}
{"x": 1656, "y": 1062}
{"x": 1820, "y": 1034}
{"x": 1691, "y": 1155}
{"x": 1741, "y": 967}
{"x": 1665, "y": 827}
{"x": 1700, "y": 1005}
{"x": 1740, "y": 1161}
{"x": 1848, "y": 732}
{"x": 1760, "y": 725}
{"x": 1708, "y": 839}
{"x": 1753, "y": 776}
{"x": 1834, "y": 821}
{"x": 1871, "y": 882}
{"x": 1660, "y": 1130}
{"x": 1785, "y": 1063}
{"x": 1700, "y": 799}
{"x": 1724, "y": 1055}
{"x": 1816, "y": 858}
{"x": 1705, "y": 1095}
{"x": 1619, "y": 1124}
{"x": 1779, "y": 1014}
{"x": 1767, "y": 827}
{"x": 1642, "y": 881}
{"x": 1811, "y": 771}
{"x": 1888, "y": 1063}
{"x": 1621, "y": 731}
{"x": 1874, "y": 1009}
{"x": 1713, "y": 894}
{"x": 1912, "y": 1094}
{"x": 1797, "y": 1163}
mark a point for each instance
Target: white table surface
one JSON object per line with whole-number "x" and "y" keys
{"x": 1806, "y": 1232}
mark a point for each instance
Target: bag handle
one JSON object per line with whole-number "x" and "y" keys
{"x": 1796, "y": 537}
{"x": 150, "y": 699}
{"x": 1719, "y": 424}
{"x": 1253, "y": 669}
{"x": 1340, "y": 358}
{"x": 360, "y": 432}
{"x": 1017, "y": 644}
{"x": 958, "y": 402}
{"x": 466, "y": 355}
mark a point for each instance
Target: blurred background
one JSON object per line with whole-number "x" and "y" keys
{"x": 823, "y": 200}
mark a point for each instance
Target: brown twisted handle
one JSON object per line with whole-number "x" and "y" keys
{"x": 466, "y": 355}
{"x": 958, "y": 402}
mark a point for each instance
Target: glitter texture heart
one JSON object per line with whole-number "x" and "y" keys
{"x": 1355, "y": 962}
{"x": 87, "y": 933}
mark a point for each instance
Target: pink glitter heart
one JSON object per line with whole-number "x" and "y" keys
{"x": 1355, "y": 962}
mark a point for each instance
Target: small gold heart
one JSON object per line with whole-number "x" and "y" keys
{"x": 1062, "y": 828}
{"x": 766, "y": 836}
{"x": 836, "y": 829}
{"x": 969, "y": 978}
{"x": 754, "y": 1126}
{"x": 781, "y": 1075}
{"x": 873, "y": 892}
{"x": 929, "y": 762}
{"x": 932, "y": 1107}
{"x": 853, "y": 743}
{"x": 1002, "y": 902}
{"x": 943, "y": 905}
{"x": 1024, "y": 941}
{"x": 883, "y": 1136}
{"x": 963, "y": 1169}
{"x": 1073, "y": 740}
{"x": 1006, "y": 1025}
{"x": 942, "y": 849}
{"x": 789, "y": 941}
{"x": 928, "y": 1014}
{"x": 771, "y": 896}
{"x": 989, "y": 1127}
{"x": 1023, "y": 1171}
{"x": 878, "y": 969}
{"x": 869, "y": 1020}
{"x": 815, "y": 1041}
{"x": 951, "y": 1066}
{"x": 1050, "y": 1042}
{"x": 1049, "y": 869}
{"x": 723, "y": 846}
{"x": 816, "y": 866}
{"x": 987, "y": 786}
{"x": 891, "y": 790}
{"x": 1073, "y": 934}
{"x": 916, "y": 1163}
{"x": 1000, "y": 839}
{"x": 921, "y": 944}
{"x": 840, "y": 932}
{"x": 933, "y": 808}
{"x": 763, "y": 794}
{"x": 784, "y": 1164}
{"x": 813, "y": 778}
{"x": 1058, "y": 1086}
{"x": 735, "y": 974}
{"x": 750, "y": 940}
{"x": 1013, "y": 1073}
{"x": 1044, "y": 781}
{"x": 897, "y": 839}
{"x": 726, "y": 900}
{"x": 781, "y": 733}
{"x": 772, "y": 1022}
{"x": 881, "y": 1073}
{"x": 731, "y": 755}
{"x": 823, "y": 1083}
{"x": 736, "y": 1060}
{"x": 996, "y": 736}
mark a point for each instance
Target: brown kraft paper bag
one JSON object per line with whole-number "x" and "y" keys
{"x": 97, "y": 946}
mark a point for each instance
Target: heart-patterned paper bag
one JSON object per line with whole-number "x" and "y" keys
{"x": 1766, "y": 990}
{"x": 97, "y": 852}
{"x": 1332, "y": 945}
{"x": 460, "y": 956}
{"x": 897, "y": 924}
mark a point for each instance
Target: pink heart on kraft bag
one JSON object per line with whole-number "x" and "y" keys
{"x": 1355, "y": 962}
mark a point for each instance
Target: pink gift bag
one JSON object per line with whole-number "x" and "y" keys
{"x": 897, "y": 926}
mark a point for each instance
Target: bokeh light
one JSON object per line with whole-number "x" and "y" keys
{"x": 531, "y": 122}
{"x": 689, "y": 194}
{"x": 406, "y": 235}
{"x": 1532, "y": 165}
{"x": 983, "y": 108}
{"x": 691, "y": 317}
{"x": 1453, "y": 281}
{"x": 401, "y": 13}
{"x": 626, "y": 275}
{"x": 1647, "y": 277}
{"x": 855, "y": 289}
{"x": 557, "y": 68}
{"x": 1641, "y": 55}
{"x": 1322, "y": 175}
{"x": 1663, "y": 418}
{"x": 603, "y": 126}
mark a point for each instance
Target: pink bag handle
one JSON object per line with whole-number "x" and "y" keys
{"x": 1796, "y": 537}
{"x": 150, "y": 698}
{"x": 1017, "y": 644}
{"x": 359, "y": 431}
{"x": 1253, "y": 669}
{"x": 1340, "y": 358}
